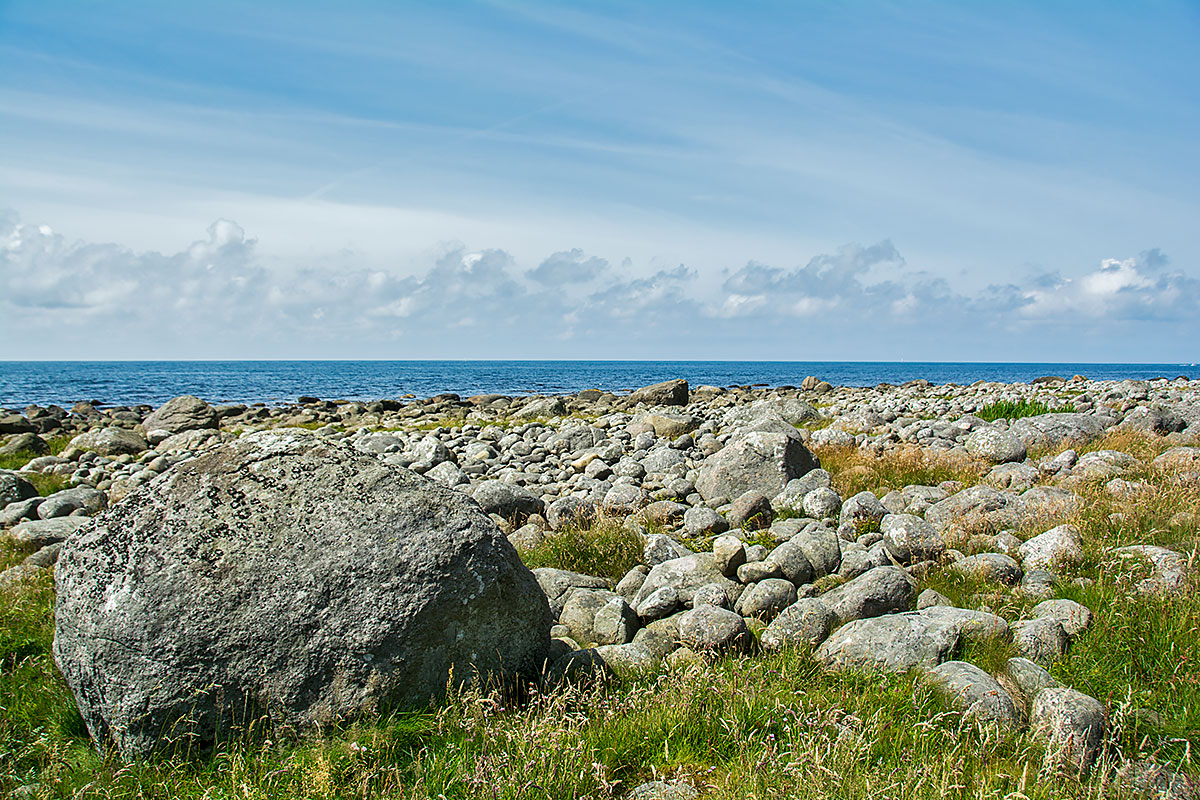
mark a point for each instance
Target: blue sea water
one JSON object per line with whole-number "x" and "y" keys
{"x": 153, "y": 382}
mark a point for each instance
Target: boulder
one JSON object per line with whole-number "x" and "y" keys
{"x": 1074, "y": 617}
{"x": 111, "y": 441}
{"x": 667, "y": 393}
{"x": 805, "y": 623}
{"x": 972, "y": 626}
{"x": 1071, "y": 726}
{"x": 995, "y": 446}
{"x": 708, "y": 629}
{"x": 556, "y": 584}
{"x": 908, "y": 539}
{"x": 1042, "y": 640}
{"x": 1048, "y": 431}
{"x": 14, "y": 488}
{"x": 890, "y": 643}
{"x": 289, "y": 577}
{"x": 882, "y": 590}
{"x": 1057, "y": 547}
{"x": 686, "y": 575}
{"x": 41, "y": 532}
{"x": 1023, "y": 679}
{"x": 976, "y": 694}
{"x": 184, "y": 413}
{"x": 758, "y": 461}
{"x": 507, "y": 500}
{"x": 765, "y": 599}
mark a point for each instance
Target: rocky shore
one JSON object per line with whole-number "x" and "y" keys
{"x": 761, "y": 520}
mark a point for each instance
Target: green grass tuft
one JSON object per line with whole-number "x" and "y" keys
{"x": 605, "y": 548}
{"x": 1015, "y": 409}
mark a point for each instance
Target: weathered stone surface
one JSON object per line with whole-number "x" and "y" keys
{"x": 507, "y": 500}
{"x": 1170, "y": 569}
{"x": 972, "y": 626}
{"x": 994, "y": 567}
{"x": 909, "y": 539}
{"x": 883, "y": 590}
{"x": 1146, "y": 779}
{"x": 111, "y": 441}
{"x": 863, "y": 509}
{"x": 805, "y": 623}
{"x": 687, "y": 574}
{"x": 1023, "y": 679}
{"x": 1057, "y": 547}
{"x": 751, "y": 510}
{"x": 759, "y": 461}
{"x": 1071, "y": 726}
{"x": 976, "y": 694}
{"x": 708, "y": 629}
{"x": 766, "y": 599}
{"x": 286, "y": 576}
{"x": 1048, "y": 431}
{"x": 1074, "y": 617}
{"x": 890, "y": 643}
{"x": 181, "y": 414}
{"x": 995, "y": 446}
{"x": 556, "y": 584}
{"x": 1041, "y": 640}
{"x": 41, "y": 532}
{"x": 667, "y": 393}
{"x": 14, "y": 488}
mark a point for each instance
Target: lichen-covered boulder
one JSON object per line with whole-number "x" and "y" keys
{"x": 288, "y": 577}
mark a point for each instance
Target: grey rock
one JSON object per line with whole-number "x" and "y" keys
{"x": 755, "y": 571}
{"x": 712, "y": 594}
{"x": 993, "y": 567}
{"x": 667, "y": 393}
{"x": 882, "y": 590}
{"x": 977, "y": 505}
{"x": 976, "y": 694}
{"x": 628, "y": 586}
{"x": 1023, "y": 679}
{"x": 111, "y": 441}
{"x": 821, "y": 503}
{"x": 805, "y": 623}
{"x": 660, "y": 547}
{"x": 1057, "y": 547}
{"x": 44, "y": 557}
{"x": 14, "y": 488}
{"x": 701, "y": 521}
{"x": 729, "y": 553}
{"x": 758, "y": 461}
{"x": 568, "y": 510}
{"x": 890, "y": 643}
{"x": 1041, "y": 640}
{"x": 615, "y": 623}
{"x": 908, "y": 538}
{"x": 27, "y": 442}
{"x": 579, "y": 610}
{"x": 448, "y": 474}
{"x": 661, "y": 604}
{"x": 181, "y": 414}
{"x": 1048, "y": 431}
{"x": 751, "y": 510}
{"x": 862, "y": 509}
{"x": 20, "y": 510}
{"x": 972, "y": 626}
{"x": 687, "y": 574}
{"x": 708, "y": 629}
{"x": 1148, "y": 779}
{"x": 541, "y": 407}
{"x": 793, "y": 563}
{"x": 1071, "y": 726}
{"x": 1170, "y": 569}
{"x": 507, "y": 500}
{"x": 332, "y": 584}
{"x": 995, "y": 446}
{"x": 41, "y": 532}
{"x": 556, "y": 584}
{"x": 664, "y": 790}
{"x": 930, "y": 598}
{"x": 625, "y": 498}
{"x": 821, "y": 547}
{"x": 765, "y": 599}
{"x": 1073, "y": 616}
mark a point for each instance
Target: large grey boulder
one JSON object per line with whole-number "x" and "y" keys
{"x": 891, "y": 643}
{"x": 507, "y": 500}
{"x": 980, "y": 506}
{"x": 804, "y": 623}
{"x": 759, "y": 461}
{"x": 1058, "y": 547}
{"x": 184, "y": 413}
{"x": 686, "y": 575}
{"x": 1047, "y": 431}
{"x": 1071, "y": 726}
{"x": 908, "y": 538}
{"x": 995, "y": 446}
{"x": 976, "y": 694}
{"x": 882, "y": 590}
{"x": 972, "y": 626}
{"x": 289, "y": 577}
{"x": 111, "y": 441}
{"x": 667, "y": 393}
{"x": 708, "y": 629}
{"x": 14, "y": 488}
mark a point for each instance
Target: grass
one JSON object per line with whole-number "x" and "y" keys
{"x": 764, "y": 726}
{"x": 45, "y": 484}
{"x": 605, "y": 548}
{"x": 1015, "y": 409}
{"x": 854, "y": 470}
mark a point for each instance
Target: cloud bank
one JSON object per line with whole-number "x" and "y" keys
{"x": 218, "y": 298}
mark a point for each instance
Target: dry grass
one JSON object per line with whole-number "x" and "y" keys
{"x": 854, "y": 470}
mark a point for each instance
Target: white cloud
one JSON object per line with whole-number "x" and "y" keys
{"x": 215, "y": 298}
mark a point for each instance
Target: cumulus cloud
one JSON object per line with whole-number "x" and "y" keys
{"x": 568, "y": 267}
{"x": 216, "y": 298}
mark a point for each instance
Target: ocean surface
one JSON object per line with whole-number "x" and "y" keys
{"x": 153, "y": 382}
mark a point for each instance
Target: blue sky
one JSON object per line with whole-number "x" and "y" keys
{"x": 853, "y": 180}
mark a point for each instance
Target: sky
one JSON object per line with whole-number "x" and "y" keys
{"x": 620, "y": 180}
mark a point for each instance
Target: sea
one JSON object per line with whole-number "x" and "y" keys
{"x": 24, "y": 383}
